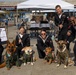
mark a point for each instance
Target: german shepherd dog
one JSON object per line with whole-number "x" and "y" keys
{"x": 28, "y": 55}
{"x": 49, "y": 58}
{"x": 62, "y": 53}
{"x": 10, "y": 57}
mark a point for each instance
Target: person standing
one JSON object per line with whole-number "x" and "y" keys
{"x": 73, "y": 29}
{"x": 22, "y": 22}
{"x": 69, "y": 39}
{"x": 74, "y": 49}
{"x": 61, "y": 21}
{"x": 72, "y": 26}
{"x": 6, "y": 22}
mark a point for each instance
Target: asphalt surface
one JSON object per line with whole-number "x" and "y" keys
{"x": 39, "y": 67}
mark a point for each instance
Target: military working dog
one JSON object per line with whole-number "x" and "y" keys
{"x": 62, "y": 53}
{"x": 28, "y": 55}
{"x": 10, "y": 57}
{"x": 49, "y": 56}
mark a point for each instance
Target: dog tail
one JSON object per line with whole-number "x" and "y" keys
{"x": 2, "y": 65}
{"x": 35, "y": 58}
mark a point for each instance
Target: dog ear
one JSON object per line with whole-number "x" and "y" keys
{"x": 50, "y": 48}
{"x": 22, "y": 50}
{"x": 8, "y": 42}
{"x": 57, "y": 41}
{"x": 64, "y": 42}
{"x": 14, "y": 42}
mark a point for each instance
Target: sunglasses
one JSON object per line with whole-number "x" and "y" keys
{"x": 72, "y": 20}
{"x": 43, "y": 34}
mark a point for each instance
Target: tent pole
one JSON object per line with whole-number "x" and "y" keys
{"x": 69, "y": 13}
{"x": 73, "y": 13}
{"x": 17, "y": 15}
{"x": 16, "y": 18}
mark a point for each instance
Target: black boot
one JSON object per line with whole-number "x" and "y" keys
{"x": 74, "y": 62}
{"x": 0, "y": 59}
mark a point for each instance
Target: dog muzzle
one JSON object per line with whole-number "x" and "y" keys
{"x": 28, "y": 51}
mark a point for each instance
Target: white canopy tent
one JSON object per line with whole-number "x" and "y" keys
{"x": 74, "y": 10}
{"x": 1, "y": 11}
{"x": 44, "y": 4}
{"x": 44, "y": 11}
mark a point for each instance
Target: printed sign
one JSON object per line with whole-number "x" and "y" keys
{"x": 3, "y": 35}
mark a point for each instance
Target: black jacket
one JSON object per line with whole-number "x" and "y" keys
{"x": 1, "y": 51}
{"x": 1, "y": 47}
{"x": 63, "y": 20}
{"x": 41, "y": 45}
{"x": 25, "y": 40}
{"x": 69, "y": 38}
{"x": 73, "y": 29}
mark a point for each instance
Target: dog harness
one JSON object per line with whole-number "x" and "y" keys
{"x": 62, "y": 50}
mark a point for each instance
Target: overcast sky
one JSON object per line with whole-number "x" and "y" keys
{"x": 12, "y": 0}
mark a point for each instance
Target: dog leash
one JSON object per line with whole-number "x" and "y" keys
{"x": 20, "y": 38}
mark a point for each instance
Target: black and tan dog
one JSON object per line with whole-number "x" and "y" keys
{"x": 62, "y": 53}
{"x": 28, "y": 55}
{"x": 10, "y": 57}
{"x": 49, "y": 58}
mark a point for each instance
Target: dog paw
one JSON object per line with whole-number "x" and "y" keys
{"x": 50, "y": 61}
{"x": 28, "y": 63}
{"x": 58, "y": 65}
{"x": 8, "y": 68}
{"x": 70, "y": 64}
{"x": 32, "y": 63}
{"x": 45, "y": 62}
{"x": 18, "y": 67}
{"x": 24, "y": 64}
{"x": 65, "y": 66}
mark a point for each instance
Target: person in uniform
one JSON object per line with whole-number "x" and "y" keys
{"x": 1, "y": 51}
{"x": 61, "y": 21}
{"x": 22, "y": 40}
{"x": 43, "y": 41}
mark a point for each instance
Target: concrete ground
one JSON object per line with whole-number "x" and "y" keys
{"x": 39, "y": 68}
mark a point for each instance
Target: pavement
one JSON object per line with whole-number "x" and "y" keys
{"x": 39, "y": 67}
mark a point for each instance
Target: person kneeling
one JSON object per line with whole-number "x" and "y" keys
{"x": 43, "y": 41}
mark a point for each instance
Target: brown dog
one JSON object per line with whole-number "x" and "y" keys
{"x": 10, "y": 55}
{"x": 62, "y": 53}
{"x": 28, "y": 55}
{"x": 49, "y": 55}
{"x": 11, "y": 47}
